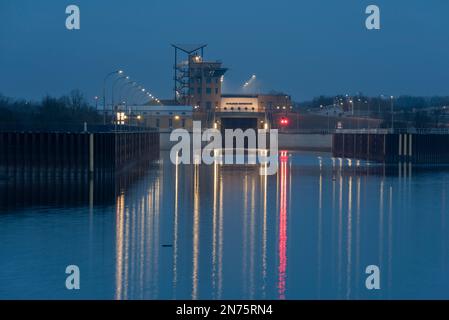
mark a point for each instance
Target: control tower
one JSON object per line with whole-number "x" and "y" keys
{"x": 197, "y": 81}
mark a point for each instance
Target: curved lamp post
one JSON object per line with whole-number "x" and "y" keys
{"x": 138, "y": 91}
{"x": 104, "y": 91}
{"x": 123, "y": 87}
{"x": 133, "y": 85}
{"x": 113, "y": 89}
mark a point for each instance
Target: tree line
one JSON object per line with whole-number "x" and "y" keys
{"x": 71, "y": 108}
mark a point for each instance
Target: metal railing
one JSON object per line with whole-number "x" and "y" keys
{"x": 71, "y": 127}
{"x": 306, "y": 131}
{"x": 395, "y": 131}
{"x": 367, "y": 131}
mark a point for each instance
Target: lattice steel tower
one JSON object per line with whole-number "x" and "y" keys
{"x": 182, "y": 76}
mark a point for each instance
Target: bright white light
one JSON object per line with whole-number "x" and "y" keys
{"x": 250, "y": 81}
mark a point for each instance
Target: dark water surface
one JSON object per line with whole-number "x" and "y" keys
{"x": 207, "y": 232}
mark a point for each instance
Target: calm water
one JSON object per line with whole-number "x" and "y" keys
{"x": 207, "y": 232}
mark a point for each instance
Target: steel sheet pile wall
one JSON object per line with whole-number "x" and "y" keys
{"x": 80, "y": 152}
{"x": 391, "y": 148}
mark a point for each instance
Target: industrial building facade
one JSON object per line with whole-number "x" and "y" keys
{"x": 198, "y": 96}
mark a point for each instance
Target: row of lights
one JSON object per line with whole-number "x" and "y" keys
{"x": 351, "y": 100}
{"x": 283, "y": 107}
{"x": 121, "y": 76}
{"x": 247, "y": 83}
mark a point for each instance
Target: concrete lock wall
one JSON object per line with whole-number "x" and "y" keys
{"x": 303, "y": 141}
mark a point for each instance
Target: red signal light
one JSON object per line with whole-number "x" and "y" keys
{"x": 284, "y": 121}
{"x": 284, "y": 156}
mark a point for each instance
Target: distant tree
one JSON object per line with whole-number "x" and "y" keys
{"x": 409, "y": 102}
{"x": 439, "y": 101}
{"x": 66, "y": 109}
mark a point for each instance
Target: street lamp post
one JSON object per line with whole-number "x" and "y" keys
{"x": 133, "y": 85}
{"x": 122, "y": 98}
{"x": 351, "y": 103}
{"x": 113, "y": 89}
{"x": 380, "y": 101}
{"x": 104, "y": 91}
{"x": 144, "y": 93}
{"x": 392, "y": 114}
{"x": 96, "y": 103}
{"x": 148, "y": 97}
{"x": 358, "y": 112}
{"x": 123, "y": 87}
{"x": 369, "y": 113}
{"x": 133, "y": 96}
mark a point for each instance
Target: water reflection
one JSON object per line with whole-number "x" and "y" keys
{"x": 137, "y": 241}
{"x": 282, "y": 242}
{"x": 65, "y": 187}
{"x": 195, "y": 233}
{"x": 226, "y": 232}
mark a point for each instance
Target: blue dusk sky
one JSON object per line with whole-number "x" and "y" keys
{"x": 303, "y": 47}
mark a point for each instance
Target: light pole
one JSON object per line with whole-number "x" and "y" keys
{"x": 369, "y": 113}
{"x": 380, "y": 102}
{"x": 358, "y": 112}
{"x": 104, "y": 91}
{"x": 149, "y": 97}
{"x": 327, "y": 113}
{"x": 113, "y": 89}
{"x": 133, "y": 96}
{"x": 123, "y": 87}
{"x": 133, "y": 85}
{"x": 392, "y": 114}
{"x": 144, "y": 93}
{"x": 96, "y": 103}
{"x": 122, "y": 99}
